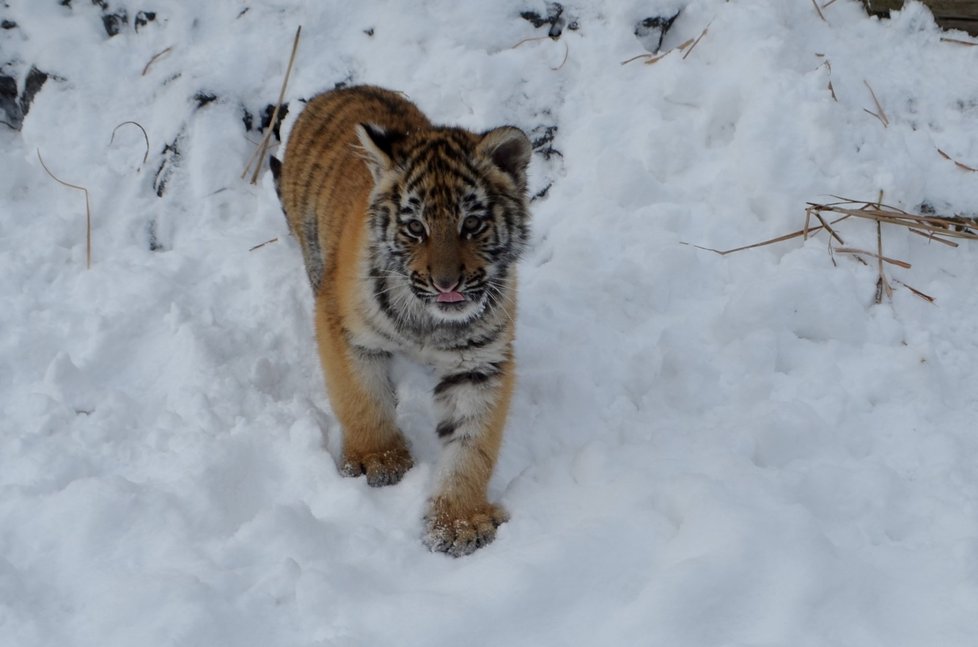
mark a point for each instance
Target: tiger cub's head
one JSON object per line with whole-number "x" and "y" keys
{"x": 448, "y": 216}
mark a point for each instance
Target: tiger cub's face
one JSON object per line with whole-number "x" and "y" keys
{"x": 448, "y": 217}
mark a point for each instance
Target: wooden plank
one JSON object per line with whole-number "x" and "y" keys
{"x": 949, "y": 14}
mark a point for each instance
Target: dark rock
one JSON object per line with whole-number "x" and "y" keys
{"x": 369, "y": 31}
{"x": 651, "y": 31}
{"x": 171, "y": 155}
{"x": 542, "y": 193}
{"x": 266, "y": 119}
{"x": 541, "y": 138}
{"x": 203, "y": 98}
{"x": 114, "y": 22}
{"x": 247, "y": 118}
{"x": 7, "y": 24}
{"x": 153, "y": 237}
{"x": 16, "y": 107}
{"x": 32, "y": 85}
{"x": 143, "y": 18}
{"x": 9, "y": 104}
{"x": 554, "y": 19}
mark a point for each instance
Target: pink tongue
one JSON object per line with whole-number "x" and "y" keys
{"x": 449, "y": 297}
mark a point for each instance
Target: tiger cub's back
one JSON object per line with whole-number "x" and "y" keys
{"x": 323, "y": 184}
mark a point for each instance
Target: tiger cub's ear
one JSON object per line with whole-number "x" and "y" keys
{"x": 509, "y": 149}
{"x": 378, "y": 145}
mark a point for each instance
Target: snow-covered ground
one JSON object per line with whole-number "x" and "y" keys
{"x": 703, "y": 449}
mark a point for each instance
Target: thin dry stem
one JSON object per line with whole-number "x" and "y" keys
{"x": 883, "y": 283}
{"x": 819, "y": 11}
{"x": 828, "y": 227}
{"x": 926, "y": 297}
{"x": 697, "y": 41}
{"x": 865, "y": 252}
{"x": 260, "y": 245}
{"x": 566, "y": 54}
{"x": 155, "y": 58}
{"x": 937, "y": 228}
{"x": 880, "y": 113}
{"x": 960, "y": 165}
{"x": 145, "y": 136}
{"x": 959, "y": 41}
{"x": 88, "y": 209}
{"x": 259, "y": 153}
{"x": 934, "y": 237}
{"x": 779, "y": 239}
{"x": 532, "y": 39}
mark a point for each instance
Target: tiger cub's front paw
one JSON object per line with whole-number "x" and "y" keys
{"x": 460, "y": 530}
{"x": 385, "y": 467}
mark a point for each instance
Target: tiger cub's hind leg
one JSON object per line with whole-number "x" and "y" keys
{"x": 363, "y": 399}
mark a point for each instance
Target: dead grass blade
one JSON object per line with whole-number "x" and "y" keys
{"x": 566, "y": 54}
{"x": 926, "y": 297}
{"x": 779, "y": 239}
{"x": 697, "y": 41}
{"x": 934, "y": 237}
{"x": 880, "y": 113}
{"x": 655, "y": 58}
{"x": 936, "y": 228}
{"x": 88, "y": 209}
{"x": 260, "y": 245}
{"x": 138, "y": 125}
{"x": 155, "y": 58}
{"x": 532, "y": 39}
{"x": 818, "y": 10}
{"x": 259, "y": 154}
{"x": 960, "y": 165}
{"x": 865, "y": 252}
{"x": 959, "y": 42}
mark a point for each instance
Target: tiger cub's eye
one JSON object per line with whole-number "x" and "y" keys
{"x": 471, "y": 225}
{"x": 416, "y": 228}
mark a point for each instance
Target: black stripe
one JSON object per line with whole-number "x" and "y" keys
{"x": 312, "y": 252}
{"x": 468, "y": 377}
{"x": 382, "y": 295}
{"x": 446, "y": 428}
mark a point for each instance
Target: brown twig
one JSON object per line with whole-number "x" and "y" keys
{"x": 819, "y": 11}
{"x": 779, "y": 239}
{"x": 926, "y": 297}
{"x": 145, "y": 136}
{"x": 566, "y": 54}
{"x": 697, "y": 41}
{"x": 655, "y": 58}
{"x": 260, "y": 245}
{"x": 934, "y": 237}
{"x": 879, "y": 114}
{"x": 259, "y": 154}
{"x": 828, "y": 65}
{"x": 156, "y": 57}
{"x": 958, "y": 41}
{"x": 829, "y": 228}
{"x": 865, "y": 252}
{"x": 88, "y": 209}
{"x": 937, "y": 228}
{"x": 532, "y": 39}
{"x": 960, "y": 165}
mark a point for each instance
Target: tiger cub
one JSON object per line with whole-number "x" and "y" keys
{"x": 410, "y": 233}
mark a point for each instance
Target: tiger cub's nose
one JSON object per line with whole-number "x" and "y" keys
{"x": 445, "y": 284}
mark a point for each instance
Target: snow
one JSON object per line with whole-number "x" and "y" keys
{"x": 702, "y": 449}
